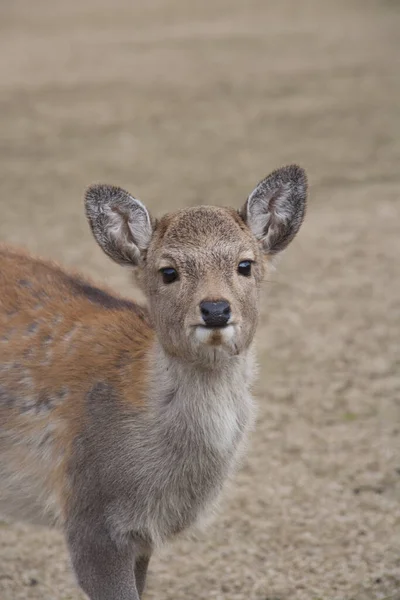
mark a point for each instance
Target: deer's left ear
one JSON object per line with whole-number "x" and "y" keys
{"x": 275, "y": 210}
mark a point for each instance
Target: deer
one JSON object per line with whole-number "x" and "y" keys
{"x": 120, "y": 422}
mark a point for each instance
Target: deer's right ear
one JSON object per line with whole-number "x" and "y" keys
{"x": 120, "y": 223}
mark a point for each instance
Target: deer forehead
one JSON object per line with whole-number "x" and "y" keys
{"x": 202, "y": 235}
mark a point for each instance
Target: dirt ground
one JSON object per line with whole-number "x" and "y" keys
{"x": 193, "y": 102}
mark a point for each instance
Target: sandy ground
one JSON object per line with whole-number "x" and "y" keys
{"x": 193, "y": 102}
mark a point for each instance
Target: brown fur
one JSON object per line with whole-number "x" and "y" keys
{"x": 63, "y": 337}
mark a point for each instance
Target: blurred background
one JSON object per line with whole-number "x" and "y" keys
{"x": 185, "y": 103}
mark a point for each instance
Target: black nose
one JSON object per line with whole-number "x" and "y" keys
{"x": 215, "y": 314}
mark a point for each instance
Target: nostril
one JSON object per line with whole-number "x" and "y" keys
{"x": 204, "y": 311}
{"x": 227, "y": 310}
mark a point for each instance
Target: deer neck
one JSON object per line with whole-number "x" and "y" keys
{"x": 211, "y": 402}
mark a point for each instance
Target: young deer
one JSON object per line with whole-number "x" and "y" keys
{"x": 119, "y": 423}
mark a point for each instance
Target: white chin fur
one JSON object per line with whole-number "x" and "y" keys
{"x": 204, "y": 334}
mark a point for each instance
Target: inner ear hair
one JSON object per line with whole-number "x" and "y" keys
{"x": 275, "y": 209}
{"x": 120, "y": 223}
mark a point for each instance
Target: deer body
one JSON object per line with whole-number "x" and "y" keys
{"x": 119, "y": 423}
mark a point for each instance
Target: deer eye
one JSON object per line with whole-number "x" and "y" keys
{"x": 244, "y": 268}
{"x": 169, "y": 274}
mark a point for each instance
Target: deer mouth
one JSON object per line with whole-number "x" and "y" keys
{"x": 215, "y": 336}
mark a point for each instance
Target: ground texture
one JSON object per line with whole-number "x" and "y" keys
{"x": 193, "y": 102}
